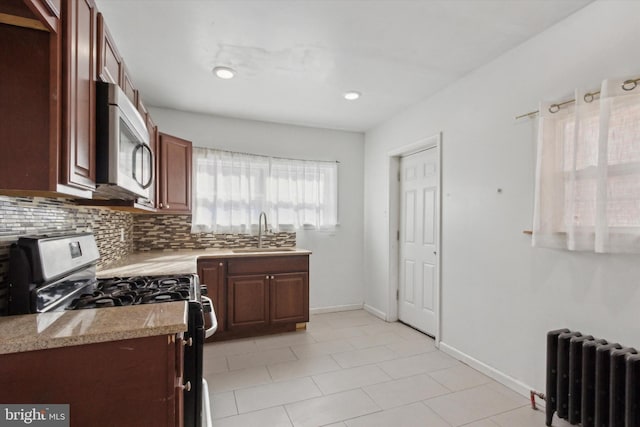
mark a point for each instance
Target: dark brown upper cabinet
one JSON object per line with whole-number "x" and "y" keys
{"x": 46, "y": 81}
{"x": 174, "y": 175}
{"x": 79, "y": 36}
{"x": 109, "y": 59}
{"x": 127, "y": 85}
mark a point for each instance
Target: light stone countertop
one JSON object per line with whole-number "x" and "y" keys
{"x": 77, "y": 327}
{"x": 178, "y": 262}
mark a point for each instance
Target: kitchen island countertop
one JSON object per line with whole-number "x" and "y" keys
{"x": 78, "y": 327}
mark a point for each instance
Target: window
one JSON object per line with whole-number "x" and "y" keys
{"x": 588, "y": 173}
{"x": 231, "y": 189}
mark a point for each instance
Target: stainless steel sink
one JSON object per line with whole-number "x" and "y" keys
{"x": 257, "y": 250}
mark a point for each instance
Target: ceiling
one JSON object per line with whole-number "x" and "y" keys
{"x": 295, "y": 58}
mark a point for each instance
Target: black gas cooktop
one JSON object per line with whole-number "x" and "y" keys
{"x": 122, "y": 291}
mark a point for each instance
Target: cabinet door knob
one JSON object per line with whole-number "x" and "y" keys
{"x": 168, "y": 207}
{"x": 267, "y": 277}
{"x": 220, "y": 264}
{"x": 273, "y": 277}
{"x": 187, "y": 386}
{"x": 161, "y": 205}
{"x": 188, "y": 343}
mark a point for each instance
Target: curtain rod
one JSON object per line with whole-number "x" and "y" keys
{"x": 628, "y": 85}
{"x": 270, "y": 157}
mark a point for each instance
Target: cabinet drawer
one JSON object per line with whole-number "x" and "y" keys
{"x": 264, "y": 265}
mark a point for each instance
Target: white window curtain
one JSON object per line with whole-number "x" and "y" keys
{"x": 587, "y": 195}
{"x": 231, "y": 189}
{"x": 303, "y": 193}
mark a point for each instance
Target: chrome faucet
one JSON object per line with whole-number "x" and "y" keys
{"x": 262, "y": 214}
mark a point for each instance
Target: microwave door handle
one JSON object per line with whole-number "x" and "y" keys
{"x": 150, "y": 180}
{"x": 134, "y": 159}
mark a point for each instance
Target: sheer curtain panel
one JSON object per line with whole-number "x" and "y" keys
{"x": 231, "y": 189}
{"x": 303, "y": 193}
{"x": 587, "y": 195}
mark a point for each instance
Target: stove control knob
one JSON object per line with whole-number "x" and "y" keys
{"x": 187, "y": 386}
{"x": 204, "y": 290}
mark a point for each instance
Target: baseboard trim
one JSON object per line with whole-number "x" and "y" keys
{"x": 334, "y": 308}
{"x": 504, "y": 379}
{"x": 379, "y": 314}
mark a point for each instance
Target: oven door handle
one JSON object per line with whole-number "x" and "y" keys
{"x": 212, "y": 317}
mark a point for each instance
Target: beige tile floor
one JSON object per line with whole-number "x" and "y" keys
{"x": 351, "y": 369}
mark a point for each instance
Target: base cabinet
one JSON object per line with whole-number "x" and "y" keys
{"x": 135, "y": 382}
{"x": 257, "y": 295}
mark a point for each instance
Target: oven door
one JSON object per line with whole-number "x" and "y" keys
{"x": 193, "y": 358}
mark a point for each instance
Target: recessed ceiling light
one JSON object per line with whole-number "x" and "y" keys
{"x": 351, "y": 95}
{"x": 224, "y": 72}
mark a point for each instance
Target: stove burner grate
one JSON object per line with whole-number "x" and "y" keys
{"x": 122, "y": 291}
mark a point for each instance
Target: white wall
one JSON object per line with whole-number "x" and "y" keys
{"x": 336, "y": 263}
{"x": 500, "y": 296}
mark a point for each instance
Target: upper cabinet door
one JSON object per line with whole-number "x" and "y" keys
{"x": 78, "y": 95}
{"x": 109, "y": 59}
{"x": 127, "y": 85}
{"x": 175, "y": 174}
{"x": 29, "y": 98}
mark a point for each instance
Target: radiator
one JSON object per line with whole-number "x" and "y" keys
{"x": 591, "y": 382}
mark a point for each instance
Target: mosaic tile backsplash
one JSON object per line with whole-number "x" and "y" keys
{"x": 21, "y": 216}
{"x": 161, "y": 232}
{"x": 117, "y": 233}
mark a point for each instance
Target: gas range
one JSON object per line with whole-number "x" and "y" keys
{"x": 53, "y": 273}
{"x": 56, "y": 273}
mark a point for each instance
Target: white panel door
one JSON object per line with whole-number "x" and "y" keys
{"x": 419, "y": 223}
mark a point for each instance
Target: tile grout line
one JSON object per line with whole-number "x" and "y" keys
{"x": 288, "y": 415}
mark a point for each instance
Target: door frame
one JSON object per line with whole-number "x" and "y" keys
{"x": 394, "y": 156}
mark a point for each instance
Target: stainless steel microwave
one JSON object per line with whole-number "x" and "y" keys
{"x": 124, "y": 160}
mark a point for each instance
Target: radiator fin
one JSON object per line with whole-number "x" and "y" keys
{"x": 589, "y": 381}
{"x": 632, "y": 384}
